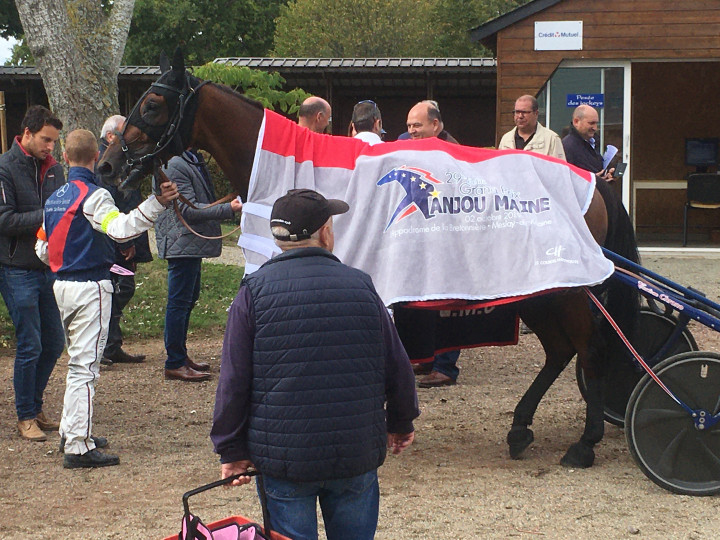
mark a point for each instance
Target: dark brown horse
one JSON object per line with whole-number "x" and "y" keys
{"x": 180, "y": 111}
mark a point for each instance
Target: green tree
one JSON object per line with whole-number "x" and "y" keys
{"x": 378, "y": 28}
{"x": 259, "y": 85}
{"x": 10, "y": 25}
{"x": 352, "y": 28}
{"x": 452, "y": 24}
{"x": 205, "y": 29}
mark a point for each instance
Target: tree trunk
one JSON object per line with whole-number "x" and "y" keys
{"x": 78, "y": 45}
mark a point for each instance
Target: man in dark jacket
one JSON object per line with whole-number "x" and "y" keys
{"x": 184, "y": 252}
{"x": 580, "y": 146}
{"x": 310, "y": 359}
{"x": 28, "y": 175}
{"x": 127, "y": 255}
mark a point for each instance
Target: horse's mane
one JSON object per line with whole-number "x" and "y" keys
{"x": 235, "y": 93}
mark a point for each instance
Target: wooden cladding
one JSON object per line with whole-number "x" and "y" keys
{"x": 612, "y": 30}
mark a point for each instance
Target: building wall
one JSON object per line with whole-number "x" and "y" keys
{"x": 612, "y": 29}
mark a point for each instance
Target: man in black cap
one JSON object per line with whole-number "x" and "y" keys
{"x": 310, "y": 360}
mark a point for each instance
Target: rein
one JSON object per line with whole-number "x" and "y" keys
{"x": 230, "y": 196}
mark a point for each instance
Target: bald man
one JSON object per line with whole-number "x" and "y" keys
{"x": 424, "y": 121}
{"x": 315, "y": 114}
{"x": 580, "y": 146}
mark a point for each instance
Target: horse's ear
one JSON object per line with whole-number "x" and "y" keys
{"x": 178, "y": 63}
{"x": 164, "y": 63}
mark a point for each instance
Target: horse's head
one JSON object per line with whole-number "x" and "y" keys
{"x": 158, "y": 127}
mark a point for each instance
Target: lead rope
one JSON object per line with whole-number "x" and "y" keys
{"x": 184, "y": 200}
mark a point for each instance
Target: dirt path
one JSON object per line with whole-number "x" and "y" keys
{"x": 456, "y": 481}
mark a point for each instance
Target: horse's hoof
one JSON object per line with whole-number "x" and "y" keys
{"x": 518, "y": 439}
{"x": 578, "y": 456}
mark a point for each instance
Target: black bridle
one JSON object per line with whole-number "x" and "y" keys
{"x": 174, "y": 132}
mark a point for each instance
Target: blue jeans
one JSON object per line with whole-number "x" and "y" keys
{"x": 183, "y": 292}
{"x": 349, "y": 507}
{"x": 446, "y": 363}
{"x": 30, "y": 300}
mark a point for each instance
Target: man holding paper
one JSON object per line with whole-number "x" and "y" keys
{"x": 580, "y": 146}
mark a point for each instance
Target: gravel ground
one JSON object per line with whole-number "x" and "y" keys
{"x": 455, "y": 481}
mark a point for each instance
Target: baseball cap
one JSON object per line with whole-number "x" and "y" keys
{"x": 304, "y": 211}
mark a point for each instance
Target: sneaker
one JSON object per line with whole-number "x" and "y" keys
{"x": 100, "y": 442}
{"x": 93, "y": 458}
{"x": 45, "y": 423}
{"x": 30, "y": 431}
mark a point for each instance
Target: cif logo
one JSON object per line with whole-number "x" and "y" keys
{"x": 555, "y": 251}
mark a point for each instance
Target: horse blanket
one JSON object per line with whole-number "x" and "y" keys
{"x": 430, "y": 220}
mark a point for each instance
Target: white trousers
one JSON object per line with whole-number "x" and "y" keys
{"x": 85, "y": 312}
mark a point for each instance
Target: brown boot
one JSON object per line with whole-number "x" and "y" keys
{"x": 29, "y": 430}
{"x": 44, "y": 423}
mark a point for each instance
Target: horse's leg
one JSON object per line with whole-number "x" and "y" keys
{"x": 582, "y": 329}
{"x": 540, "y": 314}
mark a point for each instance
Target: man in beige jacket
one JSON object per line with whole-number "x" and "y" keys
{"x": 529, "y": 134}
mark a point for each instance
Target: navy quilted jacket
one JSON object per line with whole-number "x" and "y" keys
{"x": 318, "y": 386}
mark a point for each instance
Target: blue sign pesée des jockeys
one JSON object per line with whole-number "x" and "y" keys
{"x": 594, "y": 100}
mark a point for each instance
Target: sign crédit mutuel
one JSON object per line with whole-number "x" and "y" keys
{"x": 558, "y": 35}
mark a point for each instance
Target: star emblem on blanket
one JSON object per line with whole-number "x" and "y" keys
{"x": 417, "y": 184}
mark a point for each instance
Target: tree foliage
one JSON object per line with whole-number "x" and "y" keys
{"x": 377, "y": 28}
{"x": 259, "y": 85}
{"x": 10, "y": 25}
{"x": 352, "y": 28}
{"x": 205, "y": 29}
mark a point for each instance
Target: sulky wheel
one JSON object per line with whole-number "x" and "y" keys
{"x": 661, "y": 434}
{"x": 652, "y": 331}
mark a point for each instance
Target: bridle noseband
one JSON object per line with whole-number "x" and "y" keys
{"x": 165, "y": 135}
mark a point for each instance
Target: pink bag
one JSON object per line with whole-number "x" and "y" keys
{"x": 227, "y": 529}
{"x": 231, "y": 528}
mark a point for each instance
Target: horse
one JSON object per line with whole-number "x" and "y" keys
{"x": 180, "y": 111}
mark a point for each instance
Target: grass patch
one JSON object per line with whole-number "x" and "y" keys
{"x": 232, "y": 239}
{"x": 144, "y": 317}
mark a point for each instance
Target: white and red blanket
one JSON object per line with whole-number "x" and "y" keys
{"x": 430, "y": 220}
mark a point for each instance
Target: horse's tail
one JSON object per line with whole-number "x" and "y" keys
{"x": 621, "y": 301}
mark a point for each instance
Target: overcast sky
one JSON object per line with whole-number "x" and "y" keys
{"x": 5, "y": 47}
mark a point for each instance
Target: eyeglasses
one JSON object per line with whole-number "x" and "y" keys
{"x": 522, "y": 113}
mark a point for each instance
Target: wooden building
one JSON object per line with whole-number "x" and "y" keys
{"x": 655, "y": 67}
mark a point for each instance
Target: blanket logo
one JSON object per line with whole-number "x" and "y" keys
{"x": 474, "y": 198}
{"x": 418, "y": 185}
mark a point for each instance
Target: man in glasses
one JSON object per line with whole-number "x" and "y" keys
{"x": 315, "y": 114}
{"x": 529, "y": 134}
{"x": 366, "y": 123}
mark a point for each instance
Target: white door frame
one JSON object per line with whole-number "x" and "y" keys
{"x": 627, "y": 103}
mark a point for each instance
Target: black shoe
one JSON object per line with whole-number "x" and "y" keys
{"x": 106, "y": 362}
{"x": 93, "y": 458}
{"x": 121, "y": 357}
{"x": 100, "y": 442}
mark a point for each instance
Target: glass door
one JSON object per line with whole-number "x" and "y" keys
{"x": 606, "y": 86}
